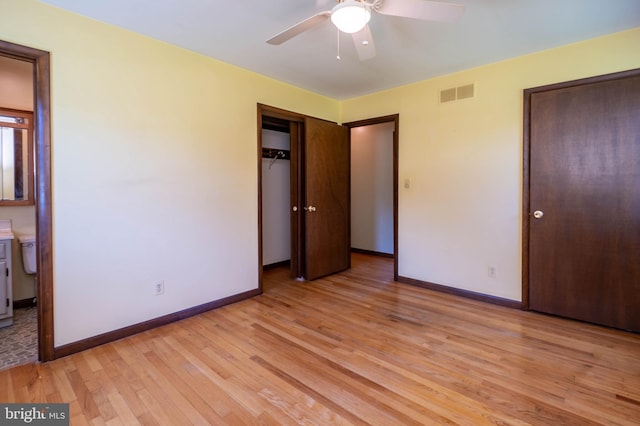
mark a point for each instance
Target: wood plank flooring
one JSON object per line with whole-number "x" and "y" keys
{"x": 353, "y": 348}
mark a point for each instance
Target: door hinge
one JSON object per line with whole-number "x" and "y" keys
{"x": 7, "y": 302}
{"x": 7, "y": 271}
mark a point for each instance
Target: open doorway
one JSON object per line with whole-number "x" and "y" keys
{"x": 18, "y": 315}
{"x": 374, "y": 187}
{"x": 276, "y": 194}
{"x": 42, "y": 193}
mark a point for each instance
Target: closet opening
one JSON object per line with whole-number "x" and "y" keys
{"x": 280, "y": 193}
{"x": 276, "y": 193}
{"x": 318, "y": 209}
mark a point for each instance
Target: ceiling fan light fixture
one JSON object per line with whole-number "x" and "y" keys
{"x": 350, "y": 16}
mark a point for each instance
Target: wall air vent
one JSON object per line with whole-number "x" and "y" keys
{"x": 457, "y": 93}
{"x": 447, "y": 95}
{"x": 464, "y": 92}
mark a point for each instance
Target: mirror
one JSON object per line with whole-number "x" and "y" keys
{"x": 16, "y": 157}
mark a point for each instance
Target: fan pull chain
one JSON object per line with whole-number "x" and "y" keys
{"x": 338, "y": 45}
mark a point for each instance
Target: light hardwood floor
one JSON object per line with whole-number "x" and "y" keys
{"x": 354, "y": 348}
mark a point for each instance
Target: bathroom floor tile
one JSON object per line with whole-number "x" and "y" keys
{"x": 19, "y": 341}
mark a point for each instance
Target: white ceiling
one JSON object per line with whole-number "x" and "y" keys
{"x": 408, "y": 50}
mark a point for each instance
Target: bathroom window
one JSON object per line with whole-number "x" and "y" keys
{"x": 16, "y": 157}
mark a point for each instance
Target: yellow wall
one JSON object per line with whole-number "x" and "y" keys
{"x": 154, "y": 169}
{"x": 462, "y": 213}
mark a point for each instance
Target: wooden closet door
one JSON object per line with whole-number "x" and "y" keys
{"x": 584, "y": 223}
{"x": 327, "y": 204}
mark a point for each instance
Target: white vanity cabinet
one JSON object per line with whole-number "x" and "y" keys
{"x": 6, "y": 288}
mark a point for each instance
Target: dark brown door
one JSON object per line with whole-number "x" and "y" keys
{"x": 326, "y": 208}
{"x": 584, "y": 240}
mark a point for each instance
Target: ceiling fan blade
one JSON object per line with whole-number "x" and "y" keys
{"x": 300, "y": 27}
{"x": 425, "y": 10}
{"x": 364, "y": 44}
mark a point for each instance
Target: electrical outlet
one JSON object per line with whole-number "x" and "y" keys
{"x": 159, "y": 288}
{"x": 491, "y": 271}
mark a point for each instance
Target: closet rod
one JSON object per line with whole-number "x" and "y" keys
{"x": 281, "y": 154}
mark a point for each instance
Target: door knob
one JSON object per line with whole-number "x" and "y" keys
{"x": 538, "y": 214}
{"x": 310, "y": 209}
{"x": 295, "y": 208}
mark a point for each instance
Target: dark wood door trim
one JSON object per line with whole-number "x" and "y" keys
{"x": 395, "y": 118}
{"x": 526, "y": 192}
{"x": 259, "y": 174}
{"x": 283, "y": 114}
{"x": 42, "y": 139}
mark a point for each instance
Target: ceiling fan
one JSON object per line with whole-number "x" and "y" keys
{"x": 353, "y": 16}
